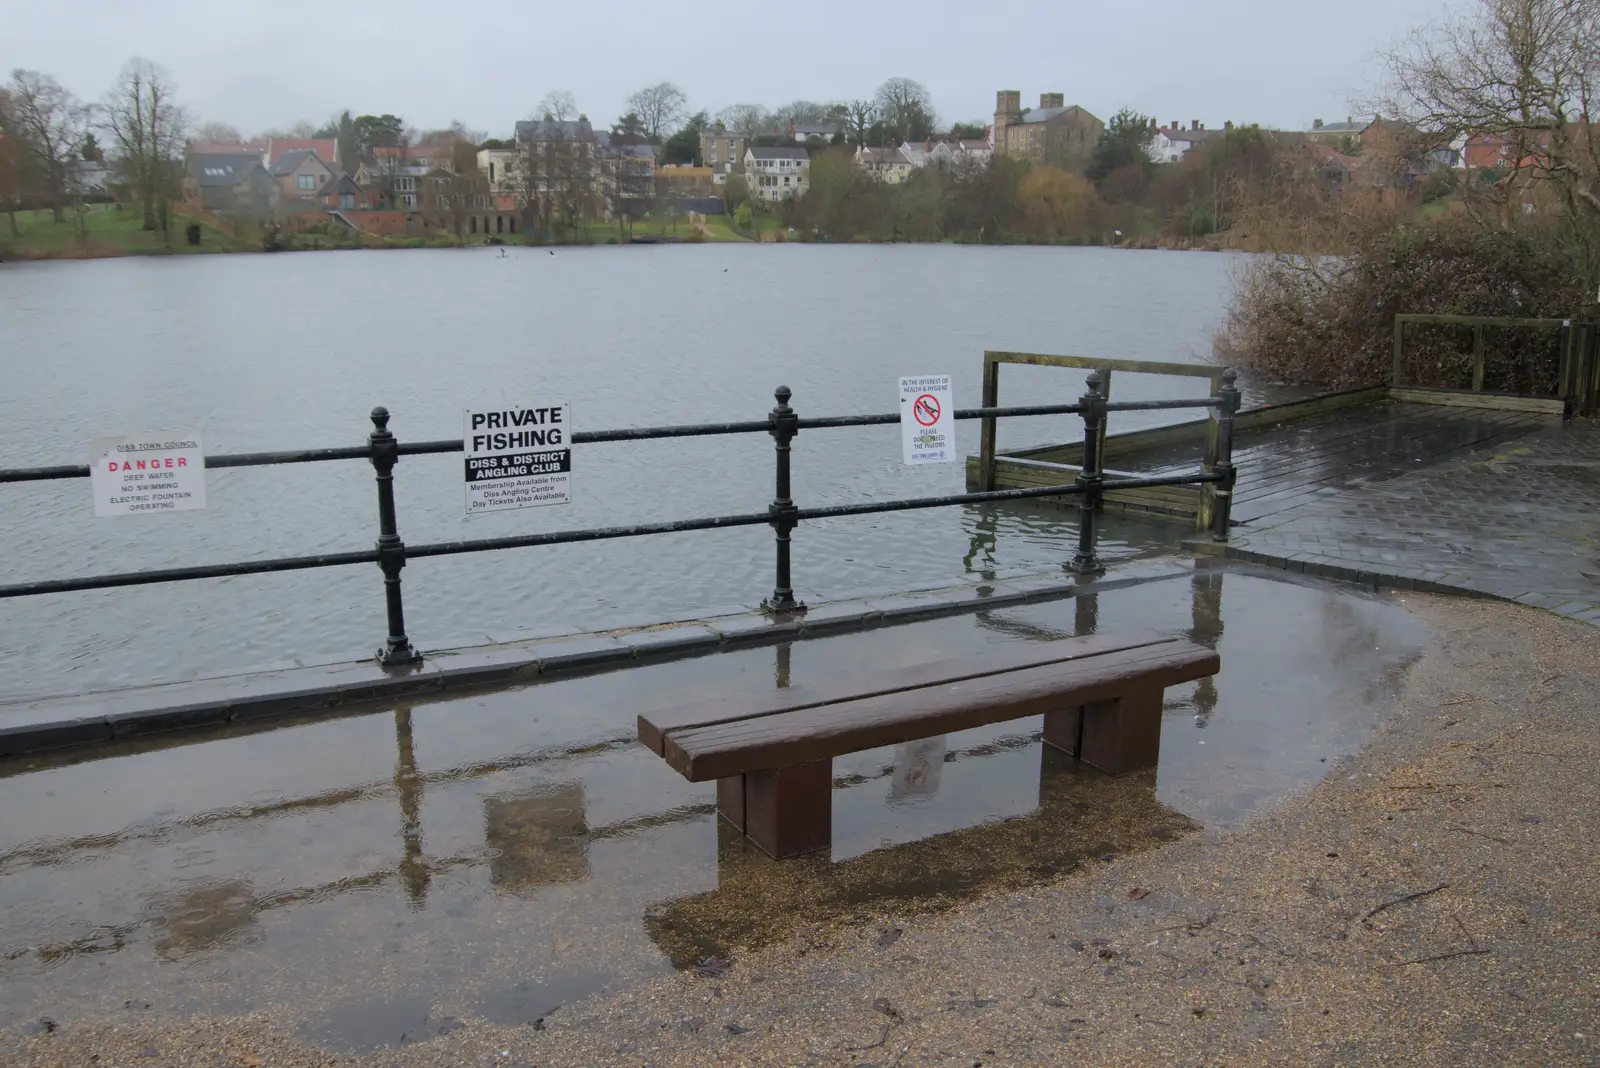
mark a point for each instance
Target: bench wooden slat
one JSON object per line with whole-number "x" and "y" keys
{"x": 797, "y": 737}
{"x": 654, "y": 727}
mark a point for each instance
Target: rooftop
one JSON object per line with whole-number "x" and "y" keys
{"x": 555, "y": 130}
{"x": 780, "y": 153}
{"x": 223, "y": 168}
{"x": 290, "y": 161}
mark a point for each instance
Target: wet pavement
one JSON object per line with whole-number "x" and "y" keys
{"x": 383, "y": 876}
{"x": 1519, "y": 522}
{"x": 1345, "y": 451}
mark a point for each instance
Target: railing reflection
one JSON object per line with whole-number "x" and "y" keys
{"x": 539, "y": 835}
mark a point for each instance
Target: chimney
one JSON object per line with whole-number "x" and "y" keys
{"x": 1008, "y": 102}
{"x": 1316, "y": 124}
{"x": 1052, "y": 100}
{"x": 1194, "y": 124}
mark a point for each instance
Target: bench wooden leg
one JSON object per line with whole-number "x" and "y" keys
{"x": 1063, "y": 730}
{"x": 1123, "y": 735}
{"x": 730, "y": 799}
{"x": 789, "y": 811}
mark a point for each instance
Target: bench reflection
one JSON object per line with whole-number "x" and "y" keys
{"x": 1082, "y": 815}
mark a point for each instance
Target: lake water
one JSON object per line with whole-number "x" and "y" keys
{"x": 291, "y": 351}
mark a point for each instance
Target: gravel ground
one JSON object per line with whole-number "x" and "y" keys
{"x": 1433, "y": 901}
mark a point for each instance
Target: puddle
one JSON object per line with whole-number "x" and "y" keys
{"x": 495, "y": 856}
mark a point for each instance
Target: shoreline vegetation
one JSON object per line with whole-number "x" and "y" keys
{"x": 113, "y": 231}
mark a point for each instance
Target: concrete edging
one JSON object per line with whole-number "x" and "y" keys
{"x": 97, "y": 718}
{"x": 1380, "y": 577}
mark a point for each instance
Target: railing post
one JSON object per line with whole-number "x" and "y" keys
{"x": 1477, "y": 356}
{"x": 1086, "y": 562}
{"x": 1222, "y": 508}
{"x": 785, "y": 424}
{"x": 1586, "y": 355}
{"x": 1208, "y": 463}
{"x": 986, "y": 436}
{"x": 397, "y": 648}
{"x": 1397, "y": 369}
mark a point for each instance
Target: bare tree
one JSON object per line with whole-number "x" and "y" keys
{"x": 147, "y": 126}
{"x": 557, "y": 104}
{"x": 746, "y": 120}
{"x": 906, "y": 107}
{"x": 390, "y": 168}
{"x": 661, "y": 108}
{"x": 1525, "y": 73}
{"x": 217, "y": 133}
{"x": 802, "y": 113}
{"x": 11, "y": 162}
{"x": 860, "y": 115}
{"x": 51, "y": 122}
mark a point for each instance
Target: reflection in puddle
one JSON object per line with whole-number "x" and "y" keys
{"x": 537, "y": 838}
{"x": 917, "y": 768}
{"x": 1081, "y": 815}
{"x": 204, "y": 916}
{"x": 494, "y": 856}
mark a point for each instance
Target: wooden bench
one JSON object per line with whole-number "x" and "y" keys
{"x": 772, "y": 755}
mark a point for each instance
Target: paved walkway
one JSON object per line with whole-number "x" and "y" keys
{"x": 1316, "y": 457}
{"x": 1520, "y": 522}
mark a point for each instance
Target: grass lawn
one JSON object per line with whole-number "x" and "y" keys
{"x": 109, "y": 232}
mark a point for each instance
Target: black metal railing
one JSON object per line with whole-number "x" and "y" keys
{"x": 391, "y": 553}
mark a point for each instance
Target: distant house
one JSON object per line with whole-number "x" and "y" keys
{"x": 776, "y": 173}
{"x": 502, "y": 169}
{"x": 803, "y": 132}
{"x": 627, "y": 171}
{"x": 973, "y": 151}
{"x": 884, "y": 164}
{"x": 1055, "y": 132}
{"x": 683, "y": 180}
{"x": 343, "y": 193}
{"x": 428, "y": 157}
{"x": 1172, "y": 142}
{"x": 234, "y": 183}
{"x": 937, "y": 154}
{"x": 300, "y": 175}
{"x": 326, "y": 148}
{"x": 91, "y": 179}
{"x": 1334, "y": 133}
{"x": 561, "y": 160}
{"x": 1492, "y": 151}
{"x": 271, "y": 149}
{"x": 1334, "y": 169}
{"x": 723, "y": 151}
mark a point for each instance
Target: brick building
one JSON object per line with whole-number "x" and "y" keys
{"x": 1054, "y": 133}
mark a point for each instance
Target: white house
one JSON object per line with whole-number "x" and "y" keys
{"x": 884, "y": 164}
{"x": 924, "y": 153}
{"x": 1172, "y": 143}
{"x": 776, "y": 173}
{"x": 502, "y": 166}
{"x": 974, "y": 152}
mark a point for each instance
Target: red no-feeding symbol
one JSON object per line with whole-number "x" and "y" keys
{"x": 926, "y": 409}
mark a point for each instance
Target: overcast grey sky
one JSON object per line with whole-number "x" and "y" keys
{"x": 1281, "y": 63}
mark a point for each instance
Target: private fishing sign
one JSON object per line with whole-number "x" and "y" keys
{"x": 518, "y": 457}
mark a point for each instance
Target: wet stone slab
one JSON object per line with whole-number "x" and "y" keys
{"x": 449, "y": 859}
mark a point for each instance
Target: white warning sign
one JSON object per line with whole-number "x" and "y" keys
{"x": 519, "y": 457}
{"x": 927, "y": 420}
{"x": 147, "y": 473}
